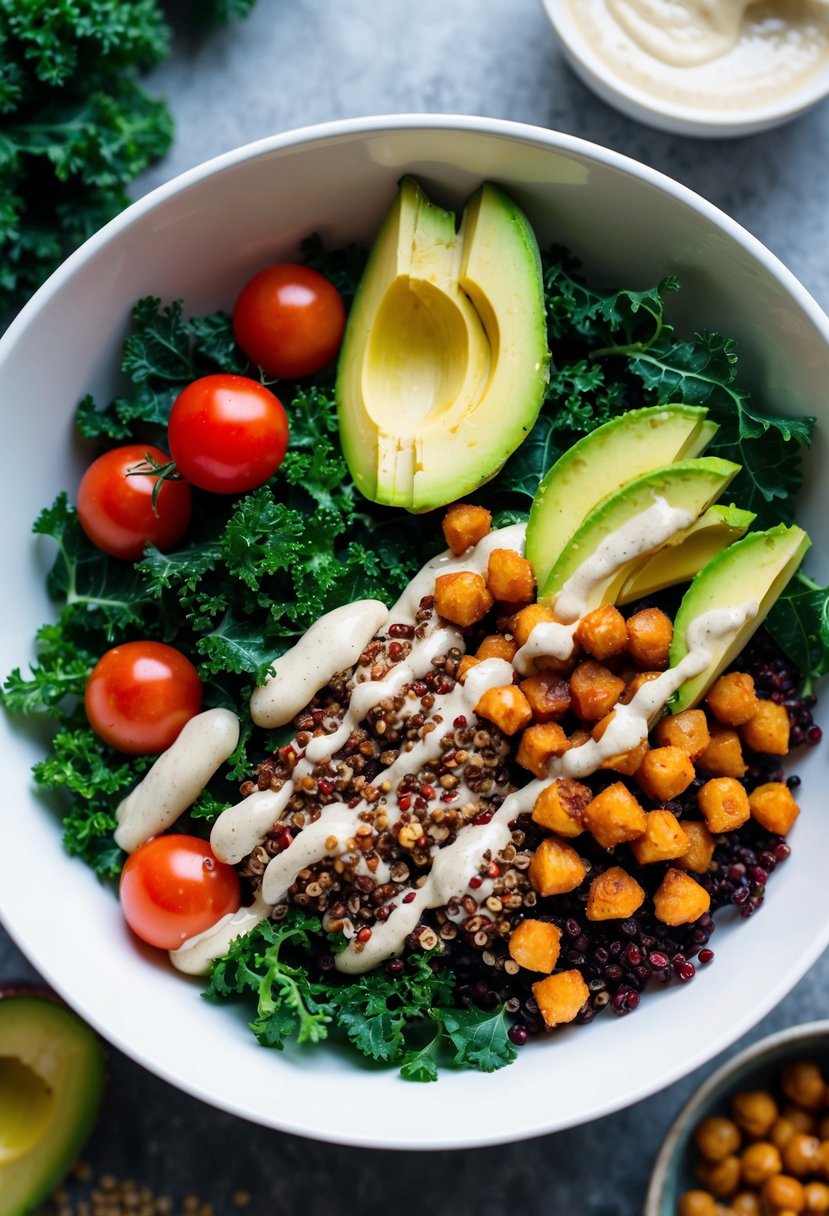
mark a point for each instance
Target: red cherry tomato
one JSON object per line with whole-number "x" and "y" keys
{"x": 115, "y": 508}
{"x": 227, "y": 434}
{"x": 140, "y": 695}
{"x": 289, "y": 320}
{"x": 173, "y": 887}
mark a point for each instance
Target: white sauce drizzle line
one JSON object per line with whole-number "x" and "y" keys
{"x": 196, "y": 954}
{"x": 177, "y": 778}
{"x": 332, "y": 644}
{"x": 641, "y": 534}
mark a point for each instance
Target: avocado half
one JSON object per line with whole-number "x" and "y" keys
{"x": 51, "y": 1082}
{"x": 758, "y": 567}
{"x": 444, "y": 362}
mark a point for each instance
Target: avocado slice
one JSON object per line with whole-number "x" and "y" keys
{"x": 600, "y": 463}
{"x": 628, "y": 526}
{"x": 683, "y": 557}
{"x": 444, "y": 362}
{"x": 757, "y": 568}
{"x": 51, "y": 1082}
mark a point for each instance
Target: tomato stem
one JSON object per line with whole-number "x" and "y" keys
{"x": 150, "y": 467}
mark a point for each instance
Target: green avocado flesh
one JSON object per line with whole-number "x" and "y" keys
{"x": 758, "y": 567}
{"x": 683, "y": 557}
{"x": 444, "y": 362}
{"x": 689, "y": 486}
{"x": 51, "y": 1081}
{"x": 601, "y": 463}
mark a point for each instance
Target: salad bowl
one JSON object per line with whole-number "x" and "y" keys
{"x": 197, "y": 238}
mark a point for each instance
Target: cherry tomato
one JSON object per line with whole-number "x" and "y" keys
{"x": 289, "y": 320}
{"x": 173, "y": 887}
{"x": 227, "y": 434}
{"x": 115, "y": 508}
{"x": 140, "y": 695}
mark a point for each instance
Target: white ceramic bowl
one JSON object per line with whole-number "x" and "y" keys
{"x": 199, "y": 237}
{"x": 637, "y": 101}
{"x": 757, "y": 1066}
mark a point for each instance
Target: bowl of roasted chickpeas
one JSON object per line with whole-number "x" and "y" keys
{"x": 754, "y": 1139}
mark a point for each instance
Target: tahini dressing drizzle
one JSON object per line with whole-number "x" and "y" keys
{"x": 242, "y": 827}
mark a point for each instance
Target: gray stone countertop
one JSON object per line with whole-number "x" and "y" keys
{"x": 296, "y": 62}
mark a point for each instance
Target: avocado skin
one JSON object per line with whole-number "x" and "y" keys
{"x": 67, "y": 1055}
{"x": 757, "y": 567}
{"x": 444, "y": 363}
{"x": 599, "y": 464}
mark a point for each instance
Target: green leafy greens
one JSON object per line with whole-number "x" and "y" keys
{"x": 75, "y": 125}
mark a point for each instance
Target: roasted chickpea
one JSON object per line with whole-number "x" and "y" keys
{"x": 697, "y": 1203}
{"x": 746, "y": 1203}
{"x": 754, "y": 1111}
{"x": 781, "y": 1132}
{"x": 720, "y": 1177}
{"x": 803, "y": 1082}
{"x": 801, "y": 1120}
{"x": 717, "y": 1138}
{"x": 802, "y": 1154}
{"x": 761, "y": 1160}
{"x": 783, "y": 1193}
{"x": 817, "y": 1197}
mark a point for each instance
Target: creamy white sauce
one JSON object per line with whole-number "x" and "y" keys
{"x": 177, "y": 778}
{"x": 643, "y": 533}
{"x": 332, "y": 644}
{"x": 547, "y": 639}
{"x": 715, "y": 55}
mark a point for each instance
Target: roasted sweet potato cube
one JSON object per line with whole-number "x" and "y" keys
{"x": 662, "y": 840}
{"x": 464, "y": 525}
{"x": 522, "y": 623}
{"x": 697, "y": 856}
{"x": 724, "y": 804}
{"x": 539, "y": 744}
{"x": 680, "y": 899}
{"x": 614, "y": 816}
{"x": 535, "y": 945}
{"x": 594, "y": 690}
{"x": 732, "y": 700}
{"x": 559, "y": 997}
{"x": 555, "y": 867}
{"x": 496, "y": 646}
{"x": 649, "y": 638}
{"x": 506, "y": 707}
{"x": 560, "y": 807}
{"x": 767, "y": 730}
{"x": 723, "y": 757}
{"x": 603, "y": 632}
{"x": 510, "y": 577}
{"x": 548, "y": 695}
{"x": 665, "y": 772}
{"x": 462, "y": 597}
{"x": 614, "y": 895}
{"x": 625, "y": 763}
{"x": 465, "y": 664}
{"x": 773, "y": 806}
{"x": 638, "y": 681}
{"x": 687, "y": 730}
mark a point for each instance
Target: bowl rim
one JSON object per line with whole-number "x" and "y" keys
{"x": 672, "y": 116}
{"x": 754, "y": 1053}
{"x": 545, "y": 140}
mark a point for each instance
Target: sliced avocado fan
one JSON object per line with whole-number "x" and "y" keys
{"x": 628, "y": 527}
{"x": 757, "y": 568}
{"x": 444, "y": 362}
{"x": 601, "y": 463}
